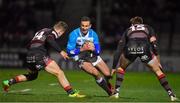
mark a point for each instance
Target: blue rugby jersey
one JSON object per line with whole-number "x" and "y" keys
{"x": 77, "y": 39}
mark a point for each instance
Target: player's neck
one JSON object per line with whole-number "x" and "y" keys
{"x": 84, "y": 34}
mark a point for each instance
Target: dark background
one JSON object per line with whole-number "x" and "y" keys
{"x": 20, "y": 19}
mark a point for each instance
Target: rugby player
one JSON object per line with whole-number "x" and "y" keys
{"x": 38, "y": 58}
{"x": 139, "y": 40}
{"x": 83, "y": 46}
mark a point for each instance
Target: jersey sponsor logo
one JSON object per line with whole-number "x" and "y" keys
{"x": 30, "y": 59}
{"x": 138, "y": 50}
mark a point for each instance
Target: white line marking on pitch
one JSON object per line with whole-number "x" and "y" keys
{"x": 21, "y": 91}
{"x": 53, "y": 84}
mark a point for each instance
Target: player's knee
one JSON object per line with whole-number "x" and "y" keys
{"x": 31, "y": 76}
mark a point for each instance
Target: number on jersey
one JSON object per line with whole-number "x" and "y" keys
{"x": 39, "y": 35}
{"x": 137, "y": 27}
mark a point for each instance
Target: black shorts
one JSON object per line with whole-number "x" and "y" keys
{"x": 36, "y": 60}
{"x": 87, "y": 56}
{"x": 138, "y": 48}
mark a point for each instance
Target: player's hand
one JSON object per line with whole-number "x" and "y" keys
{"x": 88, "y": 46}
{"x": 64, "y": 55}
{"x": 113, "y": 71}
{"x": 91, "y": 46}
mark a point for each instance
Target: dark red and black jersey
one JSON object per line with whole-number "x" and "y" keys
{"x": 42, "y": 39}
{"x": 139, "y": 31}
{"x": 132, "y": 37}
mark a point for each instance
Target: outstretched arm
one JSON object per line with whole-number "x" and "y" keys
{"x": 53, "y": 43}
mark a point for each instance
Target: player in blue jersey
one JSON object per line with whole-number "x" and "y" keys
{"x": 83, "y": 46}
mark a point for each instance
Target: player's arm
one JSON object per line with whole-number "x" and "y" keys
{"x": 53, "y": 43}
{"x": 97, "y": 48}
{"x": 71, "y": 45}
{"x": 153, "y": 41}
{"x": 119, "y": 50}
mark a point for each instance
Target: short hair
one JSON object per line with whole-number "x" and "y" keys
{"x": 61, "y": 24}
{"x": 85, "y": 18}
{"x": 136, "y": 20}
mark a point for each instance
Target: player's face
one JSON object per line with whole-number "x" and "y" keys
{"x": 85, "y": 26}
{"x": 60, "y": 31}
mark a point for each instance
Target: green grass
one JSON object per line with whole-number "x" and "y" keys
{"x": 137, "y": 87}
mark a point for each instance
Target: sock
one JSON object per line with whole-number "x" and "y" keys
{"x": 165, "y": 85}
{"x": 103, "y": 84}
{"x": 119, "y": 80}
{"x": 108, "y": 83}
{"x": 69, "y": 90}
{"x": 14, "y": 80}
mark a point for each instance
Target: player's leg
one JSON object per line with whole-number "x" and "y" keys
{"x": 123, "y": 64}
{"x": 89, "y": 68}
{"x": 53, "y": 68}
{"x": 32, "y": 75}
{"x": 102, "y": 66}
{"x": 156, "y": 68}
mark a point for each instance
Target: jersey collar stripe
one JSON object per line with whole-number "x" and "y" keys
{"x": 55, "y": 33}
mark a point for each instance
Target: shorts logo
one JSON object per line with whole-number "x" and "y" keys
{"x": 144, "y": 57}
{"x": 38, "y": 67}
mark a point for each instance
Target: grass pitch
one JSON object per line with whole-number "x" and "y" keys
{"x": 137, "y": 87}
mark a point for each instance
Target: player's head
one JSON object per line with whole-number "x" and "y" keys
{"x": 136, "y": 20}
{"x": 60, "y": 27}
{"x": 85, "y": 24}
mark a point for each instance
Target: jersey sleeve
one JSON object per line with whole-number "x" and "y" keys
{"x": 51, "y": 40}
{"x": 96, "y": 44}
{"x": 71, "y": 45}
{"x": 153, "y": 40}
{"x": 151, "y": 31}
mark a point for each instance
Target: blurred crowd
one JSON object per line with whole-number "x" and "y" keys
{"x": 19, "y": 19}
{"x": 117, "y": 13}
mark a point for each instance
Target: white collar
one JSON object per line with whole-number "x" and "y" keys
{"x": 87, "y": 35}
{"x": 55, "y": 33}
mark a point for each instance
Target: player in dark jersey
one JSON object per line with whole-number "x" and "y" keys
{"x": 139, "y": 40}
{"x": 38, "y": 58}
